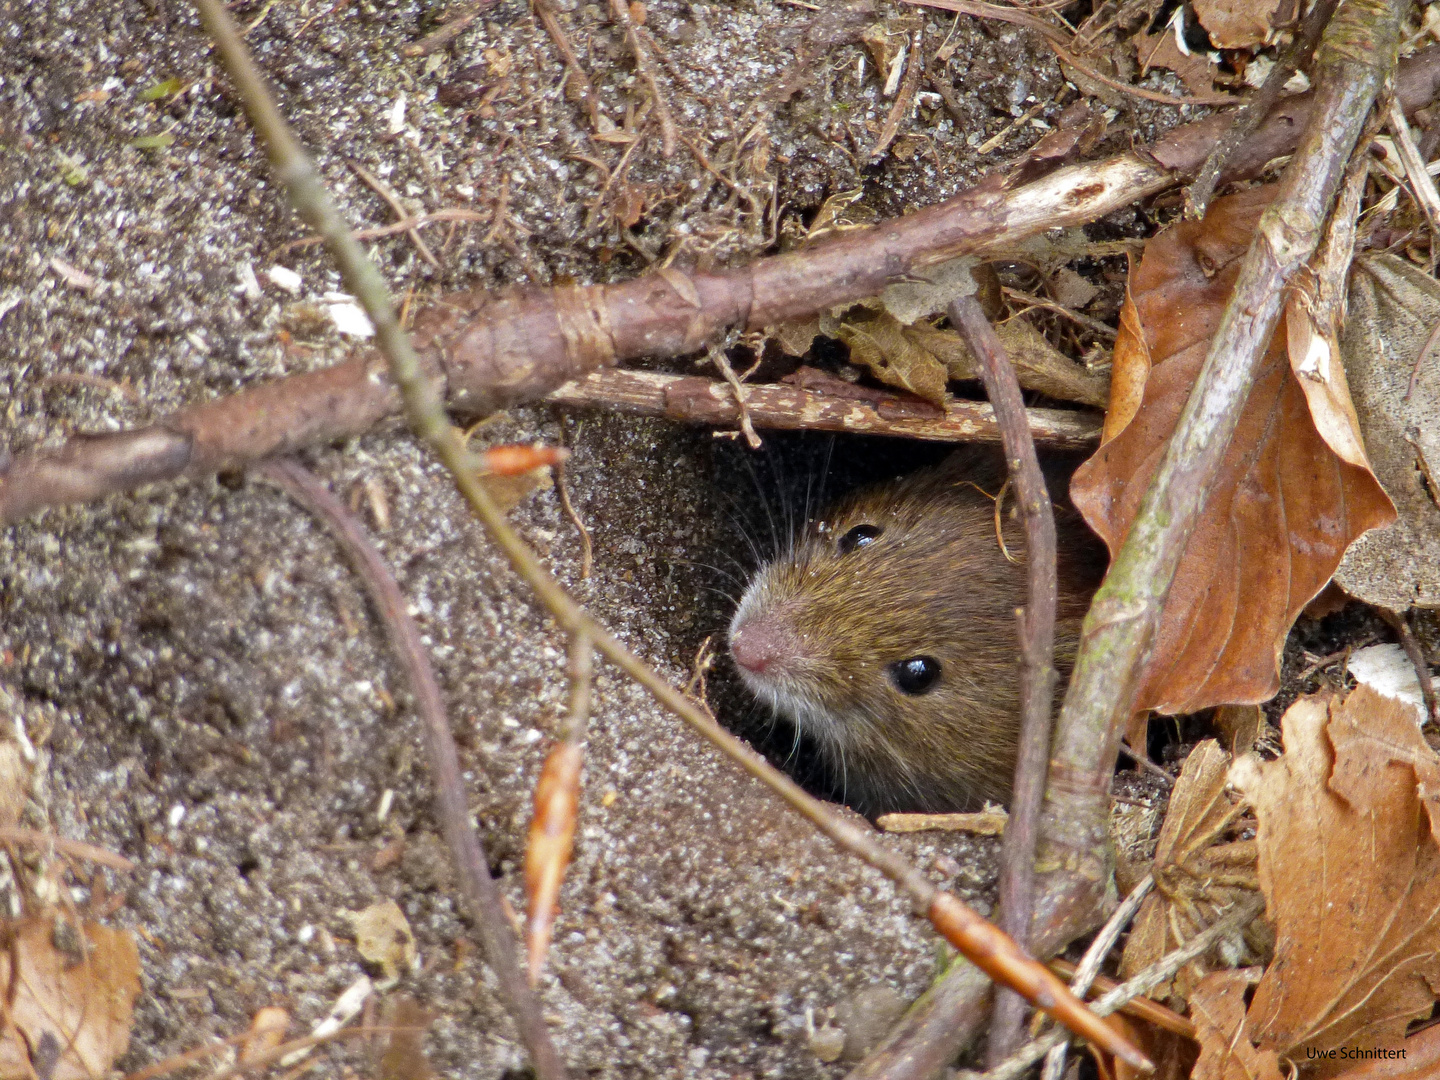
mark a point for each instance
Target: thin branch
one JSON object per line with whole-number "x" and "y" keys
{"x": 584, "y": 87}
{"x": 375, "y": 184}
{"x": 698, "y": 400}
{"x": 438, "y": 38}
{"x": 404, "y": 225}
{"x": 1142, "y": 1008}
{"x": 1037, "y": 652}
{"x": 620, "y": 12}
{"x": 451, "y": 806}
{"x": 1248, "y": 117}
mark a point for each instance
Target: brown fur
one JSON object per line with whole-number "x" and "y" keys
{"x": 934, "y": 583}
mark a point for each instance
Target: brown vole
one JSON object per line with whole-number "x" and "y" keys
{"x": 887, "y": 634}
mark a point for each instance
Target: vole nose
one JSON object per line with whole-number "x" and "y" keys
{"x": 761, "y": 645}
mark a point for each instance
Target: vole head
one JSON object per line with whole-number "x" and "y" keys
{"x": 888, "y": 635}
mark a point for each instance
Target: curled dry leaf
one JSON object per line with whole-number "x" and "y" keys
{"x": 513, "y": 460}
{"x": 384, "y": 938}
{"x": 882, "y": 344}
{"x": 1199, "y": 874}
{"x": 70, "y": 998}
{"x": 1283, "y": 508}
{"x": 1350, "y": 869}
{"x": 1394, "y": 307}
{"x": 547, "y": 853}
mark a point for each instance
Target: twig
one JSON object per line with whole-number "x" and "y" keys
{"x": 1235, "y": 921}
{"x": 1095, "y": 326}
{"x": 1421, "y": 182}
{"x": 722, "y": 364}
{"x": 1037, "y": 651}
{"x": 1142, "y": 1008}
{"x": 1090, "y": 963}
{"x": 1351, "y": 65}
{"x": 1416, "y": 656}
{"x": 14, "y": 834}
{"x": 587, "y": 548}
{"x": 904, "y": 101}
{"x": 620, "y": 12}
{"x": 1248, "y": 117}
{"x": 1425, "y": 353}
{"x": 375, "y": 184}
{"x": 1143, "y": 760}
{"x": 990, "y": 949}
{"x": 441, "y": 36}
{"x": 697, "y": 400}
{"x": 404, "y": 225}
{"x": 584, "y": 87}
{"x": 451, "y": 806}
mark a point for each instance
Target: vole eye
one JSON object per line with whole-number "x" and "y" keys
{"x": 858, "y": 537}
{"x": 916, "y": 675}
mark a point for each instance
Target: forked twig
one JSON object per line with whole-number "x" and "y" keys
{"x": 992, "y": 950}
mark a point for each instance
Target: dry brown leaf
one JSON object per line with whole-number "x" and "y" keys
{"x": 1393, "y": 309}
{"x": 384, "y": 938}
{"x": 70, "y": 1000}
{"x": 1159, "y": 50}
{"x": 1217, "y": 1006}
{"x": 1129, "y": 370}
{"x": 549, "y": 845}
{"x": 910, "y": 357}
{"x": 1283, "y": 508}
{"x": 1351, "y": 875}
{"x": 1237, "y": 24}
{"x": 1197, "y": 876}
{"x": 1419, "y": 1060}
{"x": 881, "y": 345}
